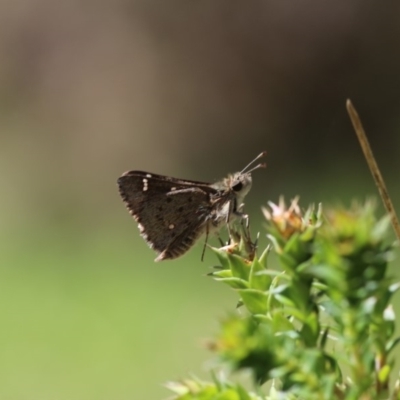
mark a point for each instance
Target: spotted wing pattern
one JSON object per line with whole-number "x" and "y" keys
{"x": 171, "y": 213}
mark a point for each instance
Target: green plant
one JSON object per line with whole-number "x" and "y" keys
{"x": 321, "y": 326}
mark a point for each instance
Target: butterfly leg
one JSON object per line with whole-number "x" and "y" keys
{"x": 205, "y": 241}
{"x": 238, "y": 212}
{"x": 230, "y": 211}
{"x": 250, "y": 246}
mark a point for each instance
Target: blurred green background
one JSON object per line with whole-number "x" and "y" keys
{"x": 195, "y": 90}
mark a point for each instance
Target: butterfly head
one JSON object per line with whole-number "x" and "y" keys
{"x": 240, "y": 182}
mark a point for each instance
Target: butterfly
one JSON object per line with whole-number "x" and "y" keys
{"x": 172, "y": 214}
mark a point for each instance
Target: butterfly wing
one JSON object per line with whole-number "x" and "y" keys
{"x": 171, "y": 213}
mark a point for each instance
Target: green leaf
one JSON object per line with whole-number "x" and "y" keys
{"x": 392, "y": 344}
{"x": 243, "y": 395}
{"x": 295, "y": 247}
{"x": 239, "y": 267}
{"x": 235, "y": 283}
{"x": 284, "y": 300}
{"x": 264, "y": 256}
{"x": 275, "y": 243}
{"x": 280, "y": 321}
{"x": 254, "y": 300}
{"x": 310, "y": 330}
{"x": 222, "y": 257}
{"x": 256, "y": 280}
{"x": 325, "y": 273}
{"x": 223, "y": 273}
{"x": 324, "y": 338}
{"x": 288, "y": 262}
{"x": 383, "y": 374}
{"x": 379, "y": 230}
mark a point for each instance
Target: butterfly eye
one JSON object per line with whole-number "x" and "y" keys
{"x": 237, "y": 187}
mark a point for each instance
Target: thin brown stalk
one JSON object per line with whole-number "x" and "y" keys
{"x": 373, "y": 166}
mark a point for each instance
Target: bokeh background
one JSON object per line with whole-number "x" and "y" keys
{"x": 193, "y": 89}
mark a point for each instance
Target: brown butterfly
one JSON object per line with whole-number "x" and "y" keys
{"x": 173, "y": 213}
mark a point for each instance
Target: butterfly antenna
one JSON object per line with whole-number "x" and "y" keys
{"x": 253, "y": 161}
{"x": 262, "y": 165}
